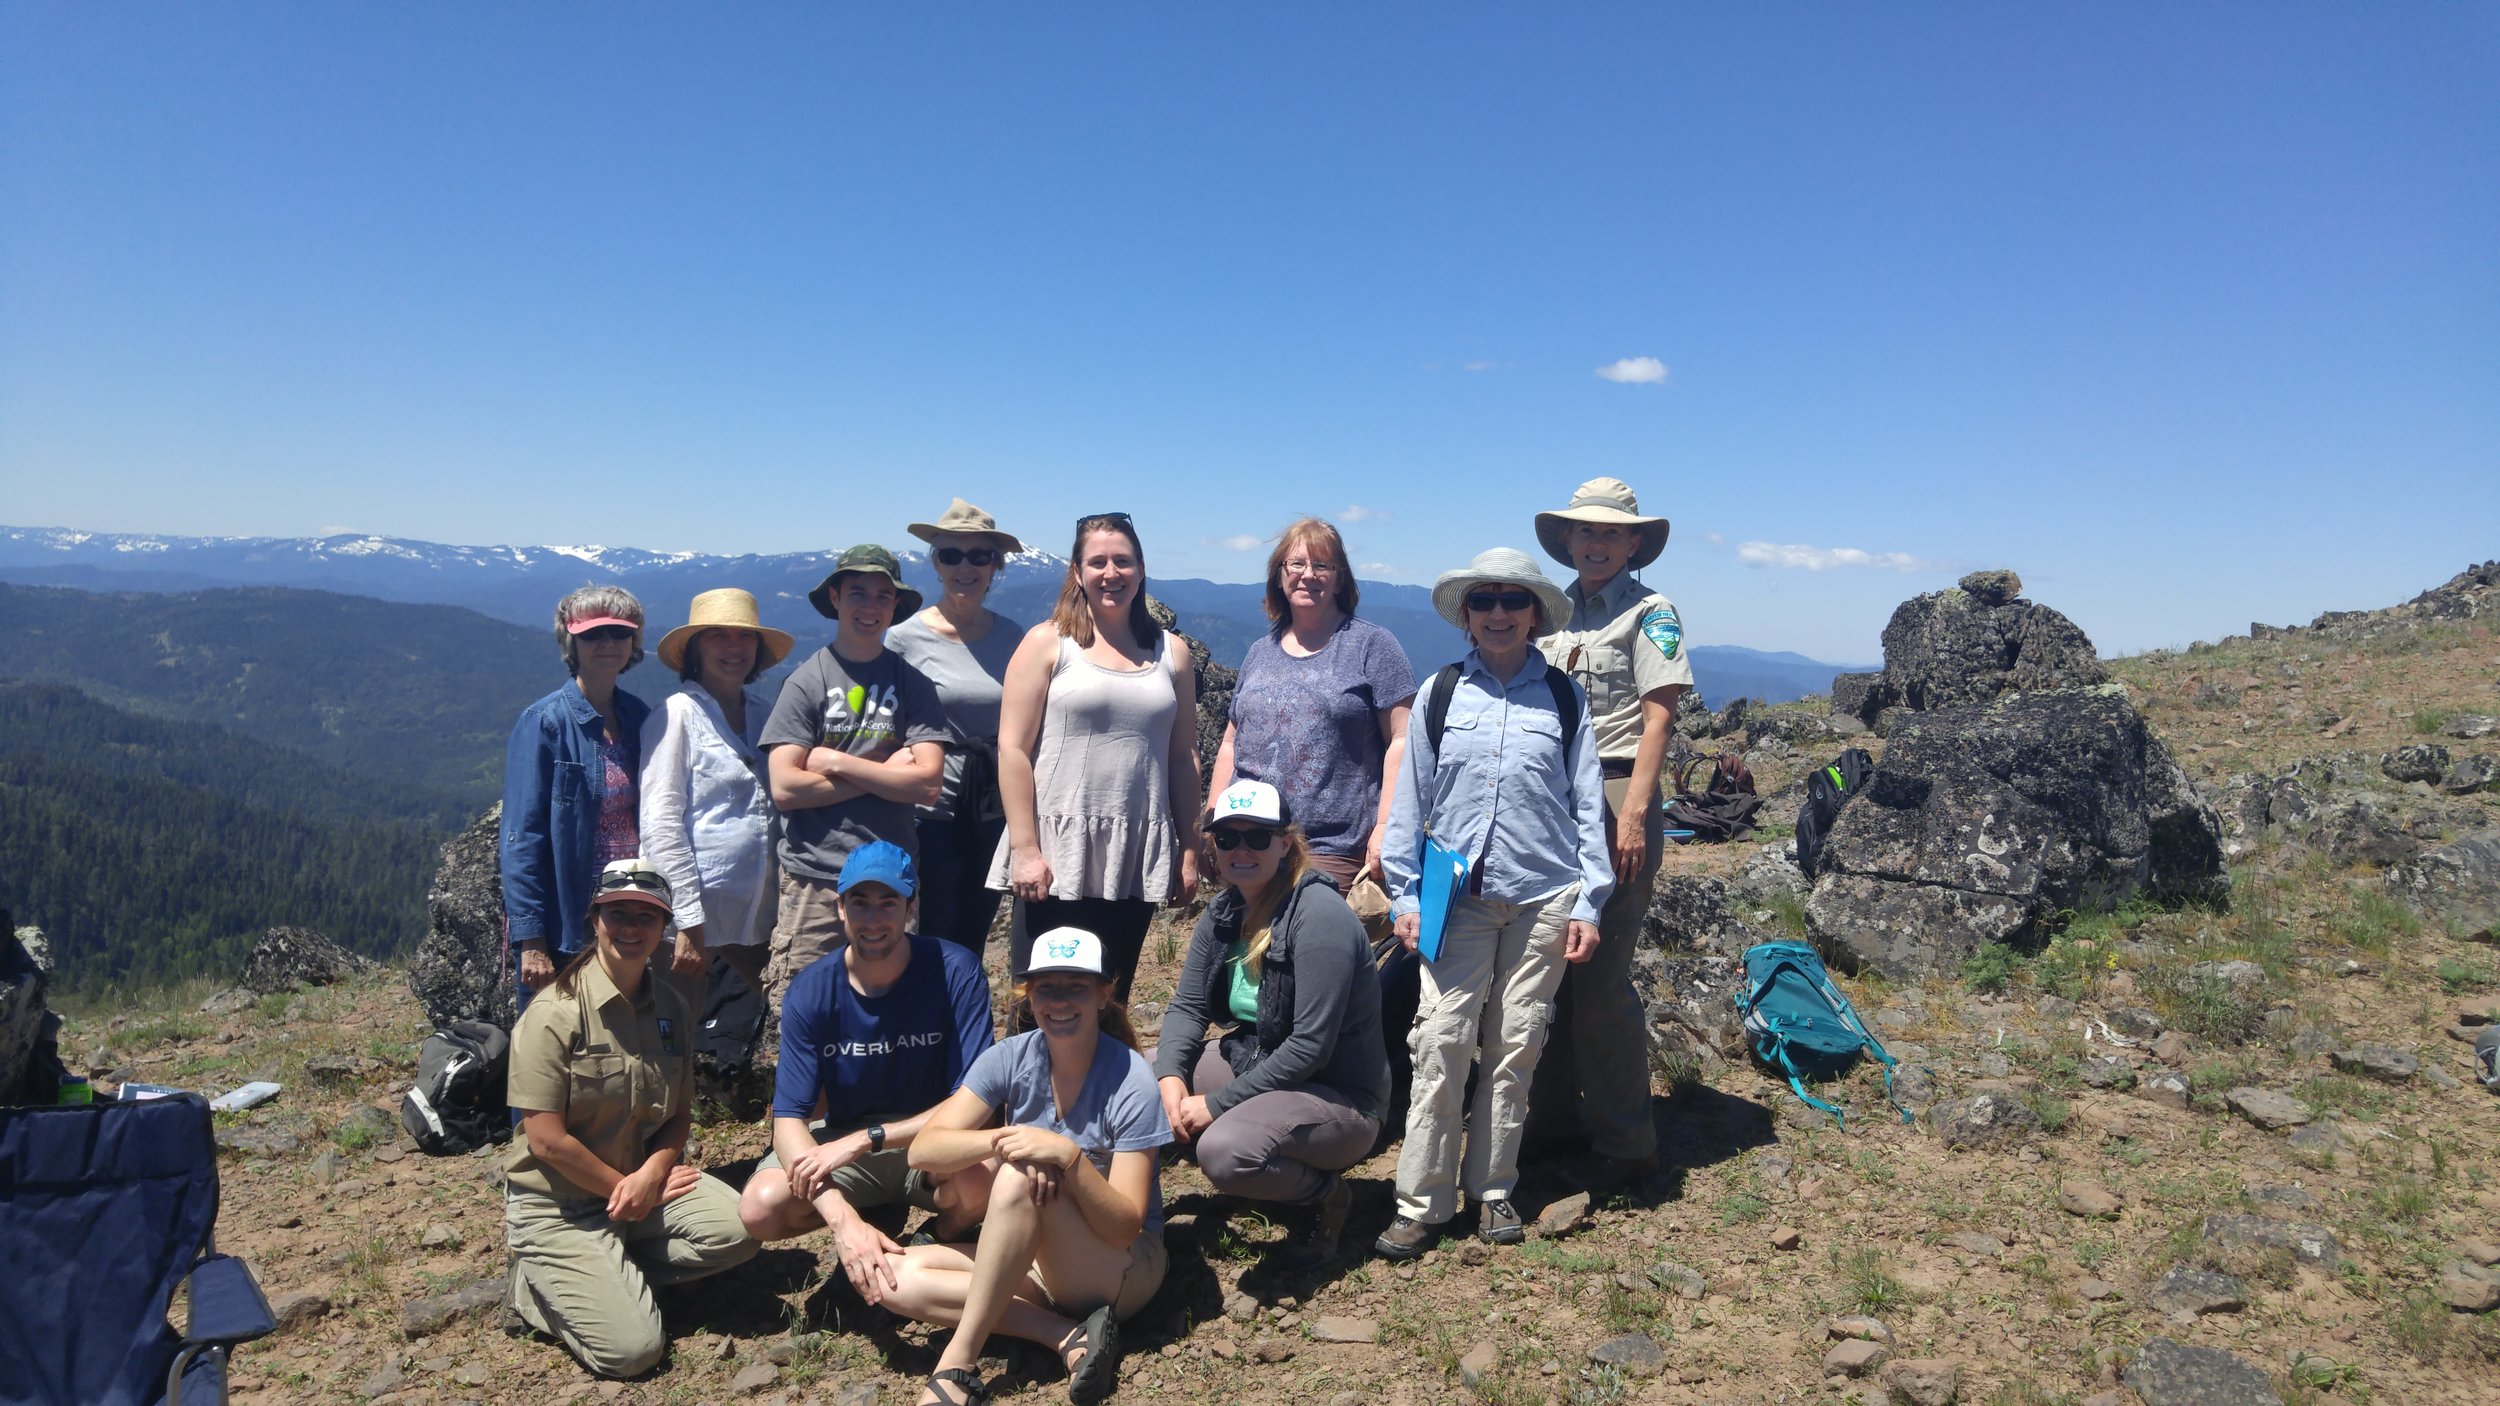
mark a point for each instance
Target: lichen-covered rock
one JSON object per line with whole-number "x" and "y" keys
{"x": 1969, "y": 645}
{"x": 26, "y": 1031}
{"x": 287, "y": 958}
{"x": 2456, "y": 885}
{"x": 1692, "y": 913}
{"x": 460, "y": 972}
{"x": 1851, "y": 694}
{"x": 2166, "y": 1373}
{"x": 1983, "y": 1120}
{"x": 1984, "y": 822}
{"x": 2419, "y": 761}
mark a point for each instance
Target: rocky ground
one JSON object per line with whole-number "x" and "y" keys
{"x": 2212, "y": 1154}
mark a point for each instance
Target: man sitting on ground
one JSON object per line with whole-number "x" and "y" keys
{"x": 873, "y": 1035}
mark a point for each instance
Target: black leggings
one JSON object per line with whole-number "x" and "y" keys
{"x": 1121, "y": 923}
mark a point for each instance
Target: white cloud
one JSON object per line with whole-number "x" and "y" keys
{"x": 1380, "y": 569}
{"x": 1635, "y": 371}
{"x": 1358, "y": 513}
{"x": 1795, "y": 557}
{"x": 1238, "y": 542}
{"x": 1714, "y": 538}
{"x": 1482, "y": 365}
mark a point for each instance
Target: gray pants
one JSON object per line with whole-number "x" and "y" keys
{"x": 1597, "y": 1060}
{"x": 1282, "y": 1145}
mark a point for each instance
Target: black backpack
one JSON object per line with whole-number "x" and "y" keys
{"x": 457, "y": 1104}
{"x": 733, "y": 1016}
{"x": 1437, "y": 704}
{"x": 1827, "y": 790}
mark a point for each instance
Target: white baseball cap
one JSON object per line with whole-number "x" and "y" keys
{"x": 1249, "y": 800}
{"x": 1065, "y": 950}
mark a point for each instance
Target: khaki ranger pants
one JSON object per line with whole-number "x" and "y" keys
{"x": 586, "y": 1280}
{"x": 1485, "y": 1001}
{"x": 1599, "y": 1065}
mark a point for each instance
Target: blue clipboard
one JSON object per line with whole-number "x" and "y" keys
{"x": 1442, "y": 877}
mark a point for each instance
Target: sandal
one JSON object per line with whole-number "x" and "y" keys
{"x": 964, "y": 1379}
{"x": 1097, "y": 1368}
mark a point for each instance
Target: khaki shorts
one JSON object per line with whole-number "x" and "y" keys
{"x": 1147, "y": 1263}
{"x": 877, "y": 1179}
{"x": 807, "y": 926}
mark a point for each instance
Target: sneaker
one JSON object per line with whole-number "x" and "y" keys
{"x": 1498, "y": 1223}
{"x": 1317, "y": 1243}
{"x": 1406, "y": 1239}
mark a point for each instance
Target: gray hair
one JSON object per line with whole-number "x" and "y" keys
{"x": 588, "y": 603}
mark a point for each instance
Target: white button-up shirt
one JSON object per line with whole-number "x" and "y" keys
{"x": 707, "y": 816}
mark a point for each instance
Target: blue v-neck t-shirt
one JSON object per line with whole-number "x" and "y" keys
{"x": 1118, "y": 1109}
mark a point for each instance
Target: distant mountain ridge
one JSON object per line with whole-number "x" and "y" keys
{"x": 522, "y": 584}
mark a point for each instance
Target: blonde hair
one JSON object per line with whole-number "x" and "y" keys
{"x": 1258, "y": 915}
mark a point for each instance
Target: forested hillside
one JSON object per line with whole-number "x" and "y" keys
{"x": 413, "y": 695}
{"x": 152, "y": 851}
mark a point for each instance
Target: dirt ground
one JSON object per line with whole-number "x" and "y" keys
{"x": 1788, "y": 1221}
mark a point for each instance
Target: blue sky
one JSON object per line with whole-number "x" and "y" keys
{"x": 2190, "y": 314}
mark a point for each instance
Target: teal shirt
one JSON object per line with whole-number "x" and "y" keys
{"x": 1243, "y": 993}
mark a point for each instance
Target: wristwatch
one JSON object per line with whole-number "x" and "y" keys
{"x": 876, "y": 1137}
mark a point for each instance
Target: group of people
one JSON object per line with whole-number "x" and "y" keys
{"x": 846, "y": 846}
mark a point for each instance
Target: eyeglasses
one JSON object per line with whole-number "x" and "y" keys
{"x": 1483, "y": 602}
{"x": 607, "y": 634}
{"x": 957, "y": 556}
{"x": 1310, "y": 568}
{"x": 1227, "y": 839}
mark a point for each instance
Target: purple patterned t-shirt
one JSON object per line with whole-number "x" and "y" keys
{"x": 620, "y": 809}
{"x": 1311, "y": 728}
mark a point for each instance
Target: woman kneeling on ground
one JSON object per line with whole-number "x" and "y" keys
{"x": 1291, "y": 1094}
{"x": 597, "y": 1207}
{"x": 1073, "y": 1241}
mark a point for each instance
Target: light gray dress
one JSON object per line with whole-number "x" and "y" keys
{"x": 1102, "y": 780}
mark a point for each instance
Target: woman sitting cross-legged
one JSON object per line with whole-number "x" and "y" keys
{"x": 1292, "y": 1093}
{"x": 1073, "y": 1241}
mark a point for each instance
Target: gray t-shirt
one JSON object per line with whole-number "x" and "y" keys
{"x": 1311, "y": 728}
{"x": 1118, "y": 1110}
{"x": 970, "y": 679}
{"x": 867, "y": 710}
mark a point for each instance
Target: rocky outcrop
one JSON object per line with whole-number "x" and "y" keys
{"x": 27, "y": 1028}
{"x": 1215, "y": 689}
{"x": 459, "y": 972}
{"x": 2467, "y": 595}
{"x": 1975, "y": 643}
{"x": 2455, "y": 885}
{"x": 287, "y": 958}
{"x": 1982, "y": 822}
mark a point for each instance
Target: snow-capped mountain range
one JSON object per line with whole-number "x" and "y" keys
{"x": 522, "y": 584}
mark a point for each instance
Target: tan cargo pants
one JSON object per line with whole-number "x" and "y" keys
{"x": 586, "y": 1280}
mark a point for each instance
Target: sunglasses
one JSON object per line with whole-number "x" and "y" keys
{"x": 1235, "y": 839}
{"x": 1483, "y": 602}
{"x": 606, "y": 634}
{"x": 1121, "y": 518}
{"x": 957, "y": 556}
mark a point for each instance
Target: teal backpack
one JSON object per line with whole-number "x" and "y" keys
{"x": 1800, "y": 1024}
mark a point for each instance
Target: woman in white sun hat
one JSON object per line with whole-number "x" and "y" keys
{"x": 707, "y": 814}
{"x": 964, "y": 647}
{"x": 1073, "y": 1240}
{"x": 1502, "y": 772}
{"x": 1624, "y": 644}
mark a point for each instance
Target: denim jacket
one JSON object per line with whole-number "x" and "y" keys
{"x": 553, "y": 787}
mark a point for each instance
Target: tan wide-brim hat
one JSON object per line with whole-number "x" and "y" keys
{"x": 1602, "y": 500}
{"x": 964, "y": 520}
{"x": 725, "y": 609}
{"x": 1501, "y": 566}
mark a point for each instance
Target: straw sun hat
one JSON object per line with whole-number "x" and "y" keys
{"x": 963, "y": 519}
{"x": 1602, "y": 500}
{"x": 725, "y": 609}
{"x": 1501, "y": 566}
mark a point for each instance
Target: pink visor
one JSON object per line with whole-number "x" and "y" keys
{"x": 593, "y": 622}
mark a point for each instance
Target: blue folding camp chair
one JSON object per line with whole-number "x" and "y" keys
{"x": 105, "y": 1211}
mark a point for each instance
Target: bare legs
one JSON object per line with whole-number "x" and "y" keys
{"x": 992, "y": 1290}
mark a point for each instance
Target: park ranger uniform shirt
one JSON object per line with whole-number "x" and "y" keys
{"x": 1624, "y": 643}
{"x": 617, "y": 1069}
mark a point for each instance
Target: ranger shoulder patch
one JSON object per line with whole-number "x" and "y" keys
{"x": 1664, "y": 630}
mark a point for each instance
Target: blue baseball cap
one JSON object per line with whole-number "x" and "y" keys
{"x": 879, "y": 862}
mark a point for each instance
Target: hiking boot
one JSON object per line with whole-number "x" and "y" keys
{"x": 1498, "y": 1223}
{"x": 1406, "y": 1239}
{"x": 1317, "y": 1243}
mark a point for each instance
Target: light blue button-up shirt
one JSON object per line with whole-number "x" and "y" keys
{"x": 1503, "y": 789}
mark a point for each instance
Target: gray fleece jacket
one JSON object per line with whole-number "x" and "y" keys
{"x": 1319, "y": 1002}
